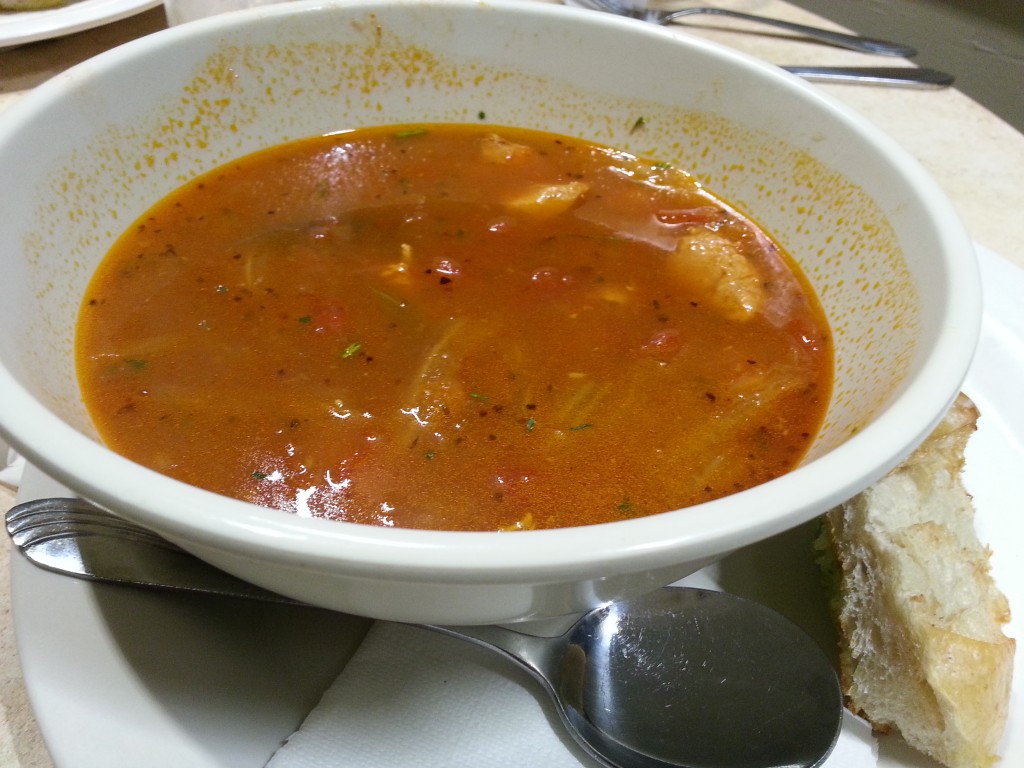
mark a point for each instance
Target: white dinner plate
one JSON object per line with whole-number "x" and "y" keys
{"x": 18, "y": 27}
{"x": 124, "y": 677}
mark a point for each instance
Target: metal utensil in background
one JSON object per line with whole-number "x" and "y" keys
{"x": 665, "y": 16}
{"x": 908, "y": 77}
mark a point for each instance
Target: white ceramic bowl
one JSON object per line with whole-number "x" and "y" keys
{"x": 88, "y": 152}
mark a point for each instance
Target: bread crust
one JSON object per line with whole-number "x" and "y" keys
{"x": 922, "y": 649}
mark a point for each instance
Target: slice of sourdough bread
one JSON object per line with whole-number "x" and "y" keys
{"x": 922, "y": 650}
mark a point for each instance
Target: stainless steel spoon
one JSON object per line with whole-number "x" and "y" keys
{"x": 663, "y": 16}
{"x": 677, "y": 677}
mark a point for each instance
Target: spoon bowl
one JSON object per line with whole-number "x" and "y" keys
{"x": 685, "y": 677}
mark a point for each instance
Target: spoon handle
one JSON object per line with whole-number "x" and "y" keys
{"x": 911, "y": 77}
{"x": 533, "y": 653}
{"x": 841, "y": 39}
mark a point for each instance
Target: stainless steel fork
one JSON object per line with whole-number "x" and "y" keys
{"x": 72, "y": 536}
{"x": 664, "y": 16}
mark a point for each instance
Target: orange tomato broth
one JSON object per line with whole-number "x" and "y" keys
{"x": 454, "y": 327}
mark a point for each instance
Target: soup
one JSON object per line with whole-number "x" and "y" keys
{"x": 454, "y": 327}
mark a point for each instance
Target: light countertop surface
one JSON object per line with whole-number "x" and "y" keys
{"x": 974, "y": 156}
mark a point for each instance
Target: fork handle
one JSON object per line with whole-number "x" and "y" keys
{"x": 910, "y": 77}
{"x": 73, "y": 537}
{"x": 852, "y": 42}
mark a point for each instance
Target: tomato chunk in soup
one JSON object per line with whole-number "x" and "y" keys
{"x": 454, "y": 327}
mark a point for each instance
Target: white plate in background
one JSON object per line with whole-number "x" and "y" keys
{"x": 18, "y": 27}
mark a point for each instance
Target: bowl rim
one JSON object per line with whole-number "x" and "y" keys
{"x": 180, "y": 511}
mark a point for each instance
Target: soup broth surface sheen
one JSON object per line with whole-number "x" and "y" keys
{"x": 454, "y": 327}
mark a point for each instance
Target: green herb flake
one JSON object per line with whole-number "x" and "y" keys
{"x": 579, "y": 427}
{"x": 306, "y": 319}
{"x": 638, "y": 124}
{"x": 625, "y": 507}
{"x": 430, "y": 455}
{"x": 410, "y": 133}
{"x": 221, "y": 289}
{"x": 351, "y": 350}
{"x": 136, "y": 365}
{"x": 479, "y": 396}
{"x": 530, "y": 424}
{"x": 259, "y": 475}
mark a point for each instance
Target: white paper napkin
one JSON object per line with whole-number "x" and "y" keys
{"x": 411, "y": 698}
